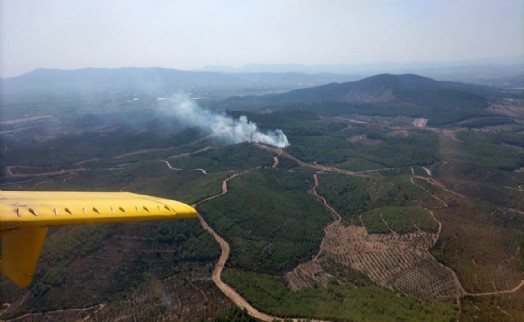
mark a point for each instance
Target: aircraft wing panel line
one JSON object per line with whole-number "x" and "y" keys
{"x": 31, "y": 208}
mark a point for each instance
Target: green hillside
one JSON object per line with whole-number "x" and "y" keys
{"x": 442, "y": 103}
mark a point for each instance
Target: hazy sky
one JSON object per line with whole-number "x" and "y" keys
{"x": 192, "y": 34}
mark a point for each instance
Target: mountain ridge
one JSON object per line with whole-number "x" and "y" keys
{"x": 100, "y": 79}
{"x": 155, "y": 80}
{"x": 410, "y": 95}
{"x": 348, "y": 92}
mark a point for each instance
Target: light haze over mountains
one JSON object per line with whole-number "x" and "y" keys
{"x": 190, "y": 34}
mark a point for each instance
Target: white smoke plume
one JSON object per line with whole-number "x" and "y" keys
{"x": 222, "y": 126}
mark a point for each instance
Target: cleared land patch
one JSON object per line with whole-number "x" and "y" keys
{"x": 399, "y": 262}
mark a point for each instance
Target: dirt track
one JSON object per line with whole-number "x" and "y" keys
{"x": 95, "y": 309}
{"x": 9, "y": 172}
{"x": 219, "y": 267}
{"x": 335, "y": 214}
{"x": 513, "y": 290}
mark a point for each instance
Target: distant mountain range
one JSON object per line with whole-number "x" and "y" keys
{"x": 464, "y": 71}
{"x": 162, "y": 81}
{"x": 157, "y": 81}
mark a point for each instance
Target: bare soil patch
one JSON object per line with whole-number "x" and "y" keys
{"x": 401, "y": 263}
{"x": 420, "y": 123}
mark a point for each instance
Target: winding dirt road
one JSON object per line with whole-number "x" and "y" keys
{"x": 95, "y": 308}
{"x": 177, "y": 169}
{"x": 216, "y": 276}
{"x": 414, "y": 176}
{"x": 337, "y": 218}
{"x": 9, "y": 172}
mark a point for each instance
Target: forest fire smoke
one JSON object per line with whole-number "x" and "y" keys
{"x": 222, "y": 126}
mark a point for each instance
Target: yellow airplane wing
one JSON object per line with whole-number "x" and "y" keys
{"x": 25, "y": 216}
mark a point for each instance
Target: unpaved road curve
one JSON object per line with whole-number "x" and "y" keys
{"x": 9, "y": 172}
{"x": 226, "y": 289}
{"x": 314, "y": 165}
{"x": 513, "y": 290}
{"x": 285, "y": 154}
{"x": 335, "y": 214}
{"x": 177, "y": 169}
{"x": 96, "y": 308}
{"x": 219, "y": 267}
{"x": 425, "y": 190}
{"x": 337, "y": 217}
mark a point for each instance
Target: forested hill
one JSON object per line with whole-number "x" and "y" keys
{"x": 390, "y": 95}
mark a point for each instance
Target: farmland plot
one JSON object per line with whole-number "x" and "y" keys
{"x": 401, "y": 263}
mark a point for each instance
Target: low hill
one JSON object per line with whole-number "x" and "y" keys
{"x": 376, "y": 89}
